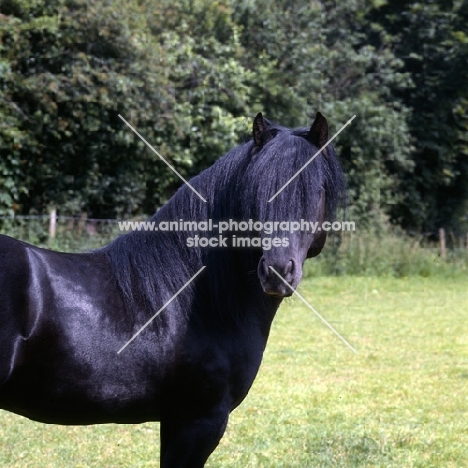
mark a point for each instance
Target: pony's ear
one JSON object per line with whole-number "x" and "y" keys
{"x": 318, "y": 133}
{"x": 261, "y": 134}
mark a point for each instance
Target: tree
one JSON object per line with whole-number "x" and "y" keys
{"x": 431, "y": 39}
{"x": 190, "y": 75}
{"x": 68, "y": 69}
{"x": 316, "y": 56}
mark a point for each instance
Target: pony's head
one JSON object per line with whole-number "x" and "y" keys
{"x": 292, "y": 193}
{"x": 275, "y": 179}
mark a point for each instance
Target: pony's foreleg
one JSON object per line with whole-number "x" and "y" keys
{"x": 188, "y": 442}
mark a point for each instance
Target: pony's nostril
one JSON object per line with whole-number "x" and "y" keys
{"x": 264, "y": 269}
{"x": 290, "y": 267}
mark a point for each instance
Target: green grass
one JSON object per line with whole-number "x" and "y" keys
{"x": 401, "y": 401}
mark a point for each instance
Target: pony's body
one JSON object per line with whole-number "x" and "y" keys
{"x": 64, "y": 316}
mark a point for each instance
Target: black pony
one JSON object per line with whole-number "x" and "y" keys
{"x": 66, "y": 318}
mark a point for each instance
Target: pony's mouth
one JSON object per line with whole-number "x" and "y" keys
{"x": 279, "y": 290}
{"x": 278, "y": 295}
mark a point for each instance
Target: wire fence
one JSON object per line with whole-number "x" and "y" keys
{"x": 68, "y": 233}
{"x": 80, "y": 233}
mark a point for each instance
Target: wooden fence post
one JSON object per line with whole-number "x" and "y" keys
{"x": 443, "y": 249}
{"x": 52, "y": 223}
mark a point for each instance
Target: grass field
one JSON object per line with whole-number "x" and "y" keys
{"x": 402, "y": 401}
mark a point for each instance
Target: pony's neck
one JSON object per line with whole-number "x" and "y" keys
{"x": 229, "y": 282}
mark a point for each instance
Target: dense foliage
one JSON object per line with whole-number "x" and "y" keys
{"x": 191, "y": 74}
{"x": 432, "y": 40}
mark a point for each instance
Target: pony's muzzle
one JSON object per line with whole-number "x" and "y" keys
{"x": 279, "y": 279}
